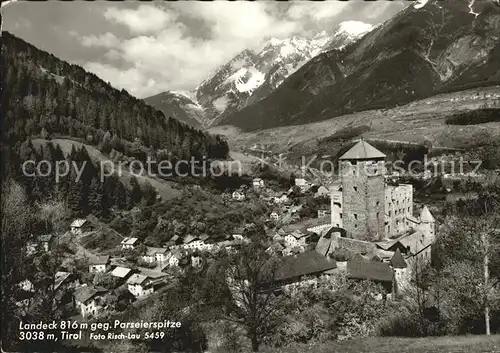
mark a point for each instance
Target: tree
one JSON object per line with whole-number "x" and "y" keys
{"x": 244, "y": 292}
{"x": 471, "y": 242}
{"x": 16, "y": 219}
{"x": 136, "y": 192}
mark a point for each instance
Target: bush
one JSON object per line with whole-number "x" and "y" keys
{"x": 480, "y": 116}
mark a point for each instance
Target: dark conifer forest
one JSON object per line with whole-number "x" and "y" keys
{"x": 45, "y": 97}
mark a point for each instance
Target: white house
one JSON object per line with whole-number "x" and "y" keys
{"x": 281, "y": 199}
{"x": 302, "y": 183}
{"x": 192, "y": 242}
{"x": 140, "y": 285}
{"x": 155, "y": 254}
{"x": 238, "y": 196}
{"x": 89, "y": 300}
{"x": 196, "y": 261}
{"x": 258, "y": 183}
{"x": 296, "y": 238}
{"x": 274, "y": 216}
{"x": 99, "y": 264}
{"x": 129, "y": 243}
{"x": 174, "y": 259}
{"x": 79, "y": 226}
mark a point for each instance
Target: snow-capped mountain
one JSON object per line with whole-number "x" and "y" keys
{"x": 252, "y": 75}
{"x": 180, "y": 105}
{"x": 429, "y": 47}
{"x": 348, "y": 33}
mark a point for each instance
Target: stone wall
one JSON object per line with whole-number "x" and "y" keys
{"x": 355, "y": 246}
{"x": 363, "y": 199}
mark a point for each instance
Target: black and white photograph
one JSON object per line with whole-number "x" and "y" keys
{"x": 250, "y": 176}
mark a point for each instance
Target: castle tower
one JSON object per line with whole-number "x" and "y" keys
{"x": 399, "y": 266}
{"x": 427, "y": 223}
{"x": 363, "y": 192}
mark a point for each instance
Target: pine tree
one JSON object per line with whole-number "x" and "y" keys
{"x": 96, "y": 197}
{"x": 135, "y": 192}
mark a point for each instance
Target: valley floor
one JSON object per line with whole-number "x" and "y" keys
{"x": 461, "y": 344}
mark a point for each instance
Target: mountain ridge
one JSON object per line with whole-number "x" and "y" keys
{"x": 252, "y": 75}
{"x": 417, "y": 53}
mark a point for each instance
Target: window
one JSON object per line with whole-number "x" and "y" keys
{"x": 340, "y": 214}
{"x": 408, "y": 209}
{"x": 355, "y": 216}
{"x": 378, "y": 214}
{"x": 355, "y": 226}
{"x": 378, "y": 203}
{"x": 355, "y": 188}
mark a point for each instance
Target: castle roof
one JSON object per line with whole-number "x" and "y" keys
{"x": 425, "y": 215}
{"x": 397, "y": 260}
{"x": 363, "y": 150}
{"x": 369, "y": 270}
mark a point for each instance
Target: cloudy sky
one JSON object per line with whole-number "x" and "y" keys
{"x": 148, "y": 48}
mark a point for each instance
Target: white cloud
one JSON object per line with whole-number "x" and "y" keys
{"x": 145, "y": 19}
{"x": 316, "y": 11}
{"x": 107, "y": 40}
{"x": 165, "y": 49}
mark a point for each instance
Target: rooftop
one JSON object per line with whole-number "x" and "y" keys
{"x": 369, "y": 270}
{"x": 363, "y": 150}
{"x": 129, "y": 241}
{"x": 137, "y": 279}
{"x": 99, "y": 260}
{"x": 153, "y": 251}
{"x": 60, "y": 278}
{"x": 120, "y": 272}
{"x": 45, "y": 237}
{"x": 306, "y": 263}
{"x": 78, "y": 223}
{"x": 86, "y": 293}
{"x": 397, "y": 260}
{"x": 425, "y": 215}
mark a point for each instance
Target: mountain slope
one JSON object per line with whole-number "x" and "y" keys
{"x": 437, "y": 47}
{"x": 49, "y": 96}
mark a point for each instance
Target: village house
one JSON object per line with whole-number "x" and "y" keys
{"x": 174, "y": 242}
{"x": 40, "y": 243}
{"x": 322, "y": 191}
{"x": 303, "y": 184}
{"x": 79, "y": 226}
{"x": 274, "y": 216}
{"x": 282, "y": 199}
{"x": 67, "y": 280}
{"x": 296, "y": 238}
{"x": 174, "y": 258}
{"x": 140, "y": 285}
{"x": 89, "y": 300}
{"x": 155, "y": 255}
{"x": 238, "y": 195}
{"x": 196, "y": 261}
{"x": 129, "y": 243}
{"x": 258, "y": 183}
{"x": 192, "y": 242}
{"x": 99, "y": 264}
{"x": 323, "y": 212}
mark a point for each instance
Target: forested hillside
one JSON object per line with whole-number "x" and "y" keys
{"x": 48, "y": 96}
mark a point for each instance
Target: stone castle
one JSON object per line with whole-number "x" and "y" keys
{"x": 373, "y": 219}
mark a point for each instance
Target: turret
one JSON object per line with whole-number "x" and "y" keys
{"x": 363, "y": 192}
{"x": 427, "y": 223}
